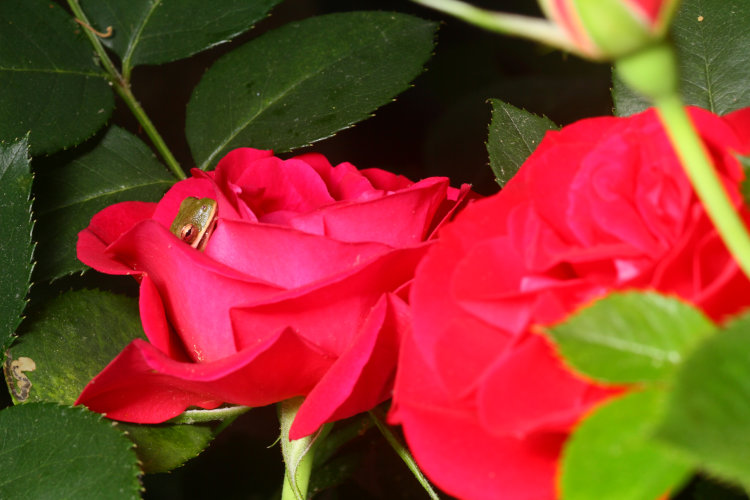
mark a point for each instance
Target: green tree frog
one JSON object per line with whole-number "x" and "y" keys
{"x": 195, "y": 221}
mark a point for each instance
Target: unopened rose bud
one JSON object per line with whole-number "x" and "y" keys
{"x": 610, "y": 29}
{"x": 595, "y": 29}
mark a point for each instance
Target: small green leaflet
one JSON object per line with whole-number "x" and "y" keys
{"x": 631, "y": 337}
{"x": 612, "y": 455}
{"x": 707, "y": 416}
{"x": 514, "y": 134}
{"x": 16, "y": 247}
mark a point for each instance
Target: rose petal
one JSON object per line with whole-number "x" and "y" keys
{"x": 739, "y": 121}
{"x": 431, "y": 296}
{"x": 284, "y": 256}
{"x": 529, "y": 390}
{"x": 465, "y": 349}
{"x": 196, "y": 291}
{"x": 456, "y": 199}
{"x": 456, "y": 452}
{"x": 362, "y": 377}
{"x": 143, "y": 385}
{"x": 328, "y": 314}
{"x": 270, "y": 184}
{"x": 232, "y": 166}
{"x": 387, "y": 181}
{"x": 106, "y": 227}
{"x": 344, "y": 181}
{"x": 155, "y": 323}
{"x": 403, "y": 218}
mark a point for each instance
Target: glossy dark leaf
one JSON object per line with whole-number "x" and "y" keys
{"x": 305, "y": 81}
{"x": 53, "y": 451}
{"x": 118, "y": 168}
{"x": 49, "y": 81}
{"x": 16, "y": 247}
{"x": 164, "y": 447}
{"x": 514, "y": 134}
{"x": 158, "y": 31}
{"x": 711, "y": 38}
{"x": 71, "y": 339}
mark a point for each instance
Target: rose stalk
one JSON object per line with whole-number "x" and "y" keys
{"x": 632, "y": 34}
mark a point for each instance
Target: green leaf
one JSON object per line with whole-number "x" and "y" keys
{"x": 16, "y": 247}
{"x": 73, "y": 337}
{"x": 514, "y": 134}
{"x": 611, "y": 455}
{"x": 305, "y": 81}
{"x": 158, "y": 31}
{"x": 70, "y": 340}
{"x": 49, "y": 82}
{"x": 711, "y": 38}
{"x": 164, "y": 447}
{"x": 707, "y": 415}
{"x": 118, "y": 168}
{"x": 50, "y": 451}
{"x": 631, "y": 337}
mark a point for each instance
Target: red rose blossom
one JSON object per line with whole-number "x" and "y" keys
{"x": 299, "y": 290}
{"x": 601, "y": 205}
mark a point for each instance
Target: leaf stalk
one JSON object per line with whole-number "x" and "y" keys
{"x": 122, "y": 87}
{"x": 700, "y": 170}
{"x": 403, "y": 453}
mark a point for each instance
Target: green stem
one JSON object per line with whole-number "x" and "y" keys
{"x": 703, "y": 177}
{"x": 540, "y": 30}
{"x": 122, "y": 87}
{"x": 299, "y": 454}
{"x": 148, "y": 127}
{"x": 195, "y": 416}
{"x": 298, "y": 490}
{"x": 402, "y": 452}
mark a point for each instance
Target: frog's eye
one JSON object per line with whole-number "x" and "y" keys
{"x": 189, "y": 233}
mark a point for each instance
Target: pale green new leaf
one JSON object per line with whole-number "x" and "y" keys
{"x": 707, "y": 415}
{"x": 612, "y": 454}
{"x": 631, "y": 337}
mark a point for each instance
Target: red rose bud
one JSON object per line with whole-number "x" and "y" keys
{"x": 595, "y": 29}
{"x": 609, "y": 29}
